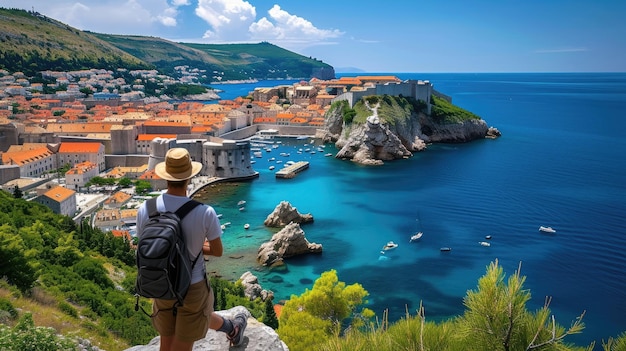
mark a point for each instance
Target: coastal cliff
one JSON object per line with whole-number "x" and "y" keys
{"x": 386, "y": 128}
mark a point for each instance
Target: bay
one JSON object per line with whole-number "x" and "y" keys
{"x": 559, "y": 162}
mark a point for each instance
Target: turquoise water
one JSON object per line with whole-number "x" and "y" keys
{"x": 560, "y": 163}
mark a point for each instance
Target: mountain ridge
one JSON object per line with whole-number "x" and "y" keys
{"x": 33, "y": 42}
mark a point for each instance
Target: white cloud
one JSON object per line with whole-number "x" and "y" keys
{"x": 108, "y": 16}
{"x": 229, "y": 19}
{"x": 290, "y": 30}
{"x": 235, "y": 21}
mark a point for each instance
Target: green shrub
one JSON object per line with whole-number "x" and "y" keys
{"x": 25, "y": 336}
{"x": 7, "y": 306}
{"x": 446, "y": 113}
{"x": 68, "y": 309}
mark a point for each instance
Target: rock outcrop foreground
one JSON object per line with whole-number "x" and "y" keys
{"x": 257, "y": 337}
{"x": 288, "y": 242}
{"x": 285, "y": 213}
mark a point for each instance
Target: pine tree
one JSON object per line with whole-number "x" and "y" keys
{"x": 269, "y": 316}
{"x": 17, "y": 192}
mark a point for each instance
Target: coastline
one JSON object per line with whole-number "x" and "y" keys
{"x": 450, "y": 186}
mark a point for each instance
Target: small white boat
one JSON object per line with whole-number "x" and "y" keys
{"x": 390, "y": 246}
{"x": 547, "y": 229}
{"x": 328, "y": 154}
{"x": 246, "y": 226}
{"x": 484, "y": 243}
{"x": 272, "y": 168}
{"x": 241, "y": 208}
{"x": 240, "y": 203}
{"x": 225, "y": 225}
{"x": 488, "y": 237}
{"x": 416, "y": 236}
{"x": 445, "y": 249}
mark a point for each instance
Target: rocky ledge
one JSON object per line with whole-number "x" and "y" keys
{"x": 288, "y": 242}
{"x": 257, "y": 337}
{"x": 285, "y": 213}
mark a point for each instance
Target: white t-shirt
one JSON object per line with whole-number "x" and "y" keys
{"x": 199, "y": 224}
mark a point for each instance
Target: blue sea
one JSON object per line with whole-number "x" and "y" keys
{"x": 561, "y": 162}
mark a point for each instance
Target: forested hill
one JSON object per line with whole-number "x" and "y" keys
{"x": 32, "y": 42}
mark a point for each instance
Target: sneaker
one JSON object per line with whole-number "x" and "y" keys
{"x": 239, "y": 326}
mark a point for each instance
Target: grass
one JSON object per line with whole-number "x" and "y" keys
{"x": 45, "y": 311}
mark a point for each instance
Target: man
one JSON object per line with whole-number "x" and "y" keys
{"x": 179, "y": 331}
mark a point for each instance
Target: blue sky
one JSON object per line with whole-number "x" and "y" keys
{"x": 379, "y": 36}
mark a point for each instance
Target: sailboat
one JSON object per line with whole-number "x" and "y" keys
{"x": 418, "y": 234}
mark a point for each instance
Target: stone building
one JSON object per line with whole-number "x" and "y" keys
{"x": 77, "y": 176}
{"x": 60, "y": 200}
{"x": 73, "y": 153}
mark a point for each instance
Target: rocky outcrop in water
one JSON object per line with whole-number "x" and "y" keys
{"x": 285, "y": 213}
{"x": 376, "y": 141}
{"x": 288, "y": 242}
{"x": 252, "y": 288}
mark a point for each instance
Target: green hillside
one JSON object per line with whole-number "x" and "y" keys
{"x": 77, "y": 279}
{"x": 32, "y": 42}
{"x": 264, "y": 60}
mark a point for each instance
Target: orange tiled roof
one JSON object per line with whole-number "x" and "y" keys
{"x": 70, "y": 147}
{"x": 147, "y": 175}
{"x": 165, "y": 123}
{"x": 26, "y": 156}
{"x": 121, "y": 234}
{"x": 81, "y": 168}
{"x": 118, "y": 198}
{"x": 59, "y": 193}
{"x": 91, "y": 127}
{"x": 150, "y": 137}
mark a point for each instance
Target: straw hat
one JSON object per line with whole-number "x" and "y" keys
{"x": 177, "y": 166}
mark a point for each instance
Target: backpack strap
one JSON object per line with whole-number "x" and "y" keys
{"x": 181, "y": 213}
{"x": 186, "y": 208}
{"x": 151, "y": 205}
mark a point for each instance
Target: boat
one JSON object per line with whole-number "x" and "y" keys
{"x": 418, "y": 233}
{"x": 328, "y": 154}
{"x": 546, "y": 229}
{"x": 246, "y": 226}
{"x": 258, "y": 154}
{"x": 242, "y": 202}
{"x": 488, "y": 237}
{"x": 272, "y": 168}
{"x": 225, "y": 225}
{"x": 445, "y": 249}
{"x": 484, "y": 243}
{"x": 390, "y": 246}
{"x": 416, "y": 236}
{"x": 241, "y": 208}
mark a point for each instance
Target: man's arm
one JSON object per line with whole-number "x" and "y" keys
{"x": 213, "y": 248}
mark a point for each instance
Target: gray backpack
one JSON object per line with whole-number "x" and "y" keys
{"x": 163, "y": 264}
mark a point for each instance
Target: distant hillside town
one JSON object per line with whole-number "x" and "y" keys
{"x": 116, "y": 135}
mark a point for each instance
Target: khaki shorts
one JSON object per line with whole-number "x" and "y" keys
{"x": 191, "y": 322}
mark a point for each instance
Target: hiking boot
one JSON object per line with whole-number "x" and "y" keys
{"x": 239, "y": 326}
